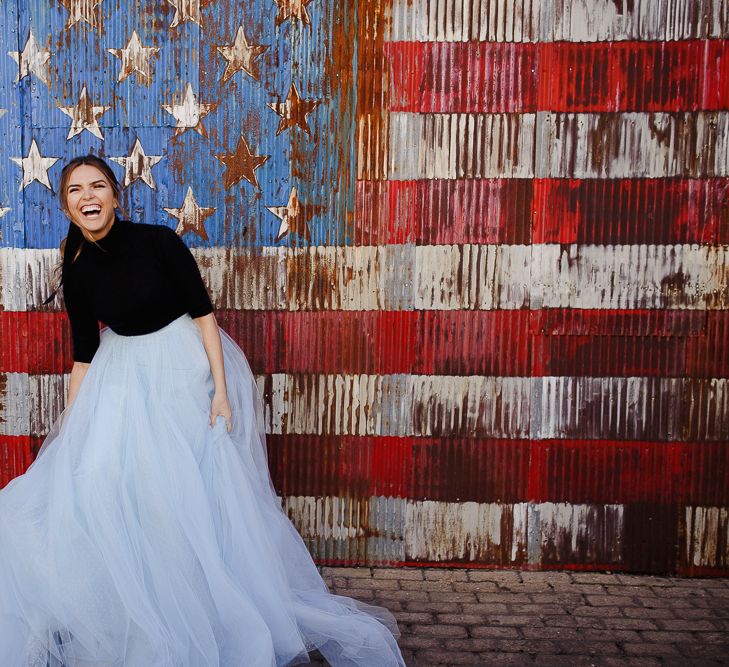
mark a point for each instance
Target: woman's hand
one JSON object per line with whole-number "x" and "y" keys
{"x": 221, "y": 406}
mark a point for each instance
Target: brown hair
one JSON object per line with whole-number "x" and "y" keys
{"x": 74, "y": 239}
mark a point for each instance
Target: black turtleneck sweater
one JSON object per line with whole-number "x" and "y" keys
{"x": 139, "y": 279}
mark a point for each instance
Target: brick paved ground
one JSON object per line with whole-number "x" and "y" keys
{"x": 478, "y": 617}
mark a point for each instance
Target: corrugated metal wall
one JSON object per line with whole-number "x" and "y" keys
{"x": 476, "y": 251}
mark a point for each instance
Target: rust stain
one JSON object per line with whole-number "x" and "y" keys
{"x": 624, "y": 6}
{"x": 673, "y": 287}
{"x": 372, "y": 133}
{"x": 662, "y": 134}
{"x": 602, "y": 143}
{"x": 3, "y": 393}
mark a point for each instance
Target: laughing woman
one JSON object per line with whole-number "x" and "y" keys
{"x": 147, "y": 532}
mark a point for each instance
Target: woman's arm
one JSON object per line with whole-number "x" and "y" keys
{"x": 214, "y": 349}
{"x": 78, "y": 372}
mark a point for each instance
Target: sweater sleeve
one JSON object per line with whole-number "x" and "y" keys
{"x": 84, "y": 324}
{"x": 185, "y": 273}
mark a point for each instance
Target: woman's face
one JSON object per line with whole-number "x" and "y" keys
{"x": 90, "y": 200}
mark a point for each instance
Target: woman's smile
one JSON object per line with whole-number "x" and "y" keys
{"x": 90, "y": 201}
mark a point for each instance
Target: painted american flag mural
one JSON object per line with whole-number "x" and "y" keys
{"x": 476, "y": 252}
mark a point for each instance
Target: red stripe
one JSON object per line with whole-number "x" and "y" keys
{"x": 523, "y": 211}
{"x": 444, "y": 469}
{"x": 376, "y": 342}
{"x": 609, "y": 356}
{"x": 479, "y": 470}
{"x": 16, "y": 454}
{"x": 670, "y": 343}
{"x": 437, "y": 212}
{"x": 623, "y": 343}
{"x": 506, "y": 471}
{"x": 491, "y": 77}
{"x": 34, "y": 342}
{"x": 502, "y": 343}
{"x": 583, "y": 322}
{"x": 675, "y": 210}
{"x": 423, "y": 342}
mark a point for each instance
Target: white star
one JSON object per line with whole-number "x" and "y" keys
{"x": 187, "y": 10}
{"x": 3, "y": 211}
{"x": 35, "y": 167}
{"x": 190, "y": 216}
{"x": 138, "y": 165}
{"x": 190, "y": 113}
{"x": 32, "y": 60}
{"x": 82, "y": 10}
{"x": 135, "y": 58}
{"x": 292, "y": 216}
{"x": 241, "y": 56}
{"x": 85, "y": 116}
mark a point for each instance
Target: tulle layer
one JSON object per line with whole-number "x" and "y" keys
{"x": 140, "y": 536}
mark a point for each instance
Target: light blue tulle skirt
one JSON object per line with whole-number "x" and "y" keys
{"x": 142, "y": 537}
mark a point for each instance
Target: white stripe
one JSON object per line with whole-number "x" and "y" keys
{"x": 25, "y": 276}
{"x": 29, "y": 404}
{"x": 497, "y": 533}
{"x": 556, "y": 20}
{"x": 358, "y": 529}
{"x": 452, "y": 277}
{"x": 557, "y": 145}
{"x": 629, "y": 408}
{"x": 688, "y": 276}
{"x": 707, "y": 536}
{"x": 436, "y": 145}
{"x": 579, "y": 533}
{"x": 469, "y": 531}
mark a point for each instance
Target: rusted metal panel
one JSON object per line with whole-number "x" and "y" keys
{"x": 477, "y": 260}
{"x": 556, "y": 20}
{"x": 435, "y": 146}
{"x": 493, "y": 77}
{"x": 434, "y": 277}
{"x": 443, "y": 212}
{"x": 705, "y": 544}
{"x": 341, "y": 529}
{"x": 494, "y": 342}
{"x": 569, "y": 533}
{"x": 488, "y": 533}
{"x": 629, "y": 408}
{"x": 622, "y": 211}
{"x": 608, "y": 471}
{"x": 520, "y": 211}
{"x": 16, "y": 454}
{"x": 571, "y": 145}
{"x": 630, "y": 276}
{"x": 708, "y": 355}
{"x": 634, "y": 144}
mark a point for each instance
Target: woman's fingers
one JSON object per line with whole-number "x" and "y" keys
{"x": 228, "y": 421}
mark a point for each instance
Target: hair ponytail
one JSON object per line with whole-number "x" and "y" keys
{"x": 70, "y": 249}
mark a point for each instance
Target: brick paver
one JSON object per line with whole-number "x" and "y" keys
{"x": 480, "y": 617}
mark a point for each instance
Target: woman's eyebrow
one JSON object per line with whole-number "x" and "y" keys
{"x": 98, "y": 180}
